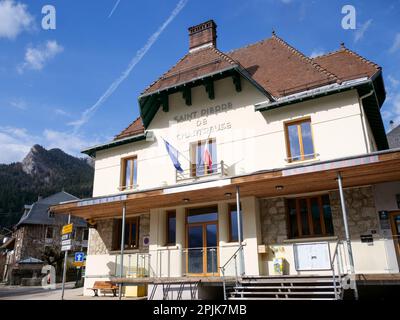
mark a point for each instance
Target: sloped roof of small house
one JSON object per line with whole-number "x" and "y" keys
{"x": 393, "y": 137}
{"x": 39, "y": 211}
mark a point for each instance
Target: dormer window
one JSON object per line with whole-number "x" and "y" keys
{"x": 128, "y": 173}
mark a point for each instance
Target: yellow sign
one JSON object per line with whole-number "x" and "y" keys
{"x": 67, "y": 228}
{"x": 79, "y": 263}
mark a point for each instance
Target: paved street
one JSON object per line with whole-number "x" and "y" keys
{"x": 38, "y": 293}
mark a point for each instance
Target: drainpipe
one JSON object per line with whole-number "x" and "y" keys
{"x": 364, "y": 122}
{"x": 240, "y": 238}
{"x": 347, "y": 232}
{"x": 121, "y": 268}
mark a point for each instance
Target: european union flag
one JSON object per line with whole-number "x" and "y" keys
{"x": 173, "y": 154}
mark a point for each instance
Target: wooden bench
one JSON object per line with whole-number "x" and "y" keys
{"x": 104, "y": 286}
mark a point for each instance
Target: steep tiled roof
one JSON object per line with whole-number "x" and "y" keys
{"x": 193, "y": 65}
{"x": 277, "y": 67}
{"x": 280, "y": 68}
{"x": 136, "y": 127}
{"x": 347, "y": 64}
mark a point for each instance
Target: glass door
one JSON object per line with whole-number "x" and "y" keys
{"x": 202, "y": 241}
{"x": 195, "y": 249}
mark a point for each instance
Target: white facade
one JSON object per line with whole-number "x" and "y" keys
{"x": 247, "y": 141}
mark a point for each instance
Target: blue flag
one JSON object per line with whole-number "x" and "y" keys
{"x": 173, "y": 154}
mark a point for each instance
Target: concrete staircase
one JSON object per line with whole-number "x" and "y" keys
{"x": 286, "y": 288}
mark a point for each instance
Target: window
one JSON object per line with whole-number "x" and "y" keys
{"x": 129, "y": 173}
{"x": 233, "y": 223}
{"x": 85, "y": 234}
{"x": 49, "y": 233}
{"x": 299, "y": 142}
{"x": 202, "y": 162}
{"x": 131, "y": 233}
{"x": 171, "y": 227}
{"x": 309, "y": 217}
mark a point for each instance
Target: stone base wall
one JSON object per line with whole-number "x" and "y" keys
{"x": 273, "y": 220}
{"x": 101, "y": 238}
{"x": 361, "y": 211}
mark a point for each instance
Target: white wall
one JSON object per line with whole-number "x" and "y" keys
{"x": 248, "y": 141}
{"x": 385, "y": 200}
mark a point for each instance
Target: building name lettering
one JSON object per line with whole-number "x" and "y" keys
{"x": 205, "y": 112}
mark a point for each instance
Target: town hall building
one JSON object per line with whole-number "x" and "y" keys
{"x": 246, "y": 171}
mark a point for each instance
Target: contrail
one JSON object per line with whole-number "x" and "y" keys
{"x": 115, "y": 8}
{"x": 85, "y": 116}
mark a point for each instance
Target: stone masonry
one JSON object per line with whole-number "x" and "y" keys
{"x": 101, "y": 237}
{"x": 361, "y": 212}
{"x": 362, "y": 215}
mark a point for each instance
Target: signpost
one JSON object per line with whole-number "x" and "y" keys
{"x": 66, "y": 245}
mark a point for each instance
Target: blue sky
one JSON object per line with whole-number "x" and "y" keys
{"x": 48, "y": 78}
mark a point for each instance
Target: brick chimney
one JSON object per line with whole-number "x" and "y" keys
{"x": 203, "y": 35}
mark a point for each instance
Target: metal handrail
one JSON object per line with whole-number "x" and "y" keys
{"x": 219, "y": 168}
{"x": 336, "y": 255}
{"x": 234, "y": 256}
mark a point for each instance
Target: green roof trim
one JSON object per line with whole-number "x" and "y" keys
{"x": 372, "y": 104}
{"x": 150, "y": 103}
{"x": 115, "y": 143}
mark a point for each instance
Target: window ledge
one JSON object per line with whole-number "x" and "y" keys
{"x": 131, "y": 251}
{"x": 293, "y": 163}
{"x": 316, "y": 239}
{"x": 168, "y": 247}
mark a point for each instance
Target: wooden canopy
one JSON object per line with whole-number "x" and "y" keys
{"x": 317, "y": 176}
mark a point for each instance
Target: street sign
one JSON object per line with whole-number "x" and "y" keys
{"x": 67, "y": 228}
{"x": 66, "y": 236}
{"x": 79, "y": 264}
{"x": 66, "y": 248}
{"x": 79, "y": 256}
{"x": 67, "y": 242}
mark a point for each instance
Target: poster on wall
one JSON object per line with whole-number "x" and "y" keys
{"x": 312, "y": 256}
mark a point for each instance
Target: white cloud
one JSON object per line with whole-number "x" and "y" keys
{"x": 393, "y": 81}
{"x": 391, "y": 108}
{"x": 114, "y": 8}
{"x": 36, "y": 58}
{"x": 61, "y": 112}
{"x": 15, "y": 142}
{"x": 396, "y": 44}
{"x": 86, "y": 114}
{"x": 317, "y": 53}
{"x": 14, "y": 19}
{"x": 18, "y": 104}
{"x": 66, "y": 141}
{"x": 359, "y": 34}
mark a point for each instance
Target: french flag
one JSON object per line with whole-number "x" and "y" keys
{"x": 207, "y": 156}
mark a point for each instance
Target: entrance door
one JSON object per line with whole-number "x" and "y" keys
{"x": 395, "y": 224}
{"x": 202, "y": 241}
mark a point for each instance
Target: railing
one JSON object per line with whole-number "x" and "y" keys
{"x": 136, "y": 265}
{"x": 198, "y": 171}
{"x": 234, "y": 257}
{"x": 336, "y": 257}
{"x": 174, "y": 262}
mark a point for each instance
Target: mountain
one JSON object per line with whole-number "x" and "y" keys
{"x": 41, "y": 173}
